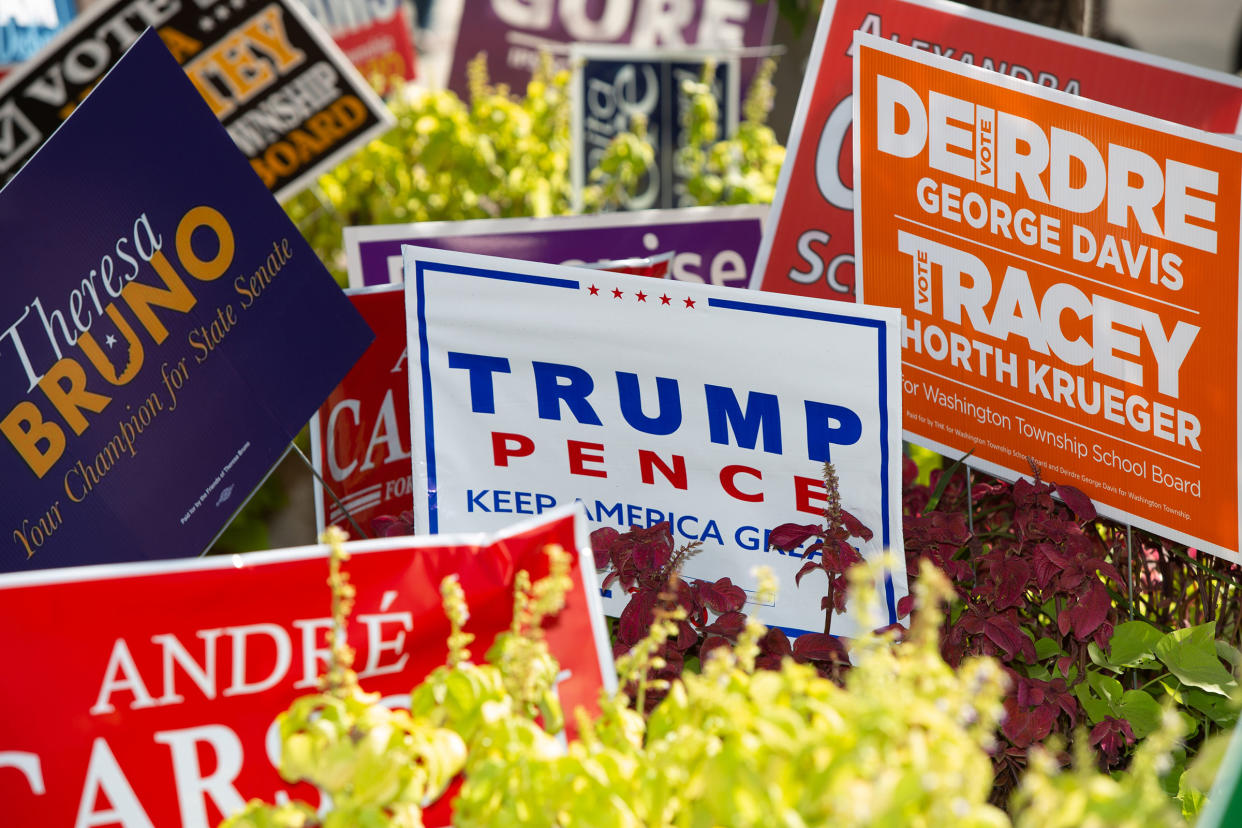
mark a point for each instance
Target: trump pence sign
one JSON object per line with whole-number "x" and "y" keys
{"x": 1068, "y": 274}
{"x": 709, "y": 408}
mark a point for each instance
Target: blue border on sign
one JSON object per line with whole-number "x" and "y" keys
{"x": 882, "y": 360}
{"x": 424, "y": 359}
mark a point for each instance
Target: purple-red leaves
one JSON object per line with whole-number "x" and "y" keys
{"x": 820, "y": 647}
{"x": 636, "y": 618}
{"x": 1008, "y": 636}
{"x": 1112, "y": 737}
{"x": 1025, "y": 727}
{"x": 1088, "y": 614}
{"x": 729, "y": 625}
{"x": 720, "y": 596}
{"x": 603, "y": 541}
{"x": 387, "y": 526}
{"x": 789, "y": 536}
{"x": 1079, "y": 503}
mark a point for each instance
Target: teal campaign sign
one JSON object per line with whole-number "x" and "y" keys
{"x": 164, "y": 328}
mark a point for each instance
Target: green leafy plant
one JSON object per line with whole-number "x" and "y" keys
{"x": 737, "y": 169}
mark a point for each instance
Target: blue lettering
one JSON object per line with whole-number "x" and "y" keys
{"x": 712, "y": 532}
{"x": 522, "y": 501}
{"x": 822, "y": 434}
{"x": 655, "y": 516}
{"x": 545, "y": 501}
{"x": 681, "y": 526}
{"x": 633, "y": 515}
{"x": 500, "y": 501}
{"x": 747, "y": 537}
{"x": 475, "y": 500}
{"x": 551, "y": 392}
{"x": 725, "y": 413}
{"x": 481, "y": 368}
{"x": 613, "y": 512}
{"x": 668, "y": 397}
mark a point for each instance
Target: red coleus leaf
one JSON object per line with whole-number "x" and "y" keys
{"x": 1112, "y": 736}
{"x": 838, "y": 556}
{"x": 636, "y": 618}
{"x": 1026, "y": 727}
{"x": 1008, "y": 636}
{"x": 728, "y": 624}
{"x": 1079, "y": 503}
{"x": 855, "y": 527}
{"x": 653, "y": 546}
{"x": 1090, "y": 612}
{"x": 603, "y": 541}
{"x": 775, "y": 642}
{"x": 820, "y": 647}
{"x": 712, "y": 642}
{"x": 686, "y": 637}
{"x": 387, "y": 526}
{"x": 905, "y": 605}
{"x": 720, "y": 596}
{"x": 789, "y": 536}
{"x": 809, "y": 566}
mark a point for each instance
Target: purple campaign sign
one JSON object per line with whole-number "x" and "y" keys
{"x": 713, "y": 245}
{"x": 164, "y": 329}
{"x": 512, "y": 32}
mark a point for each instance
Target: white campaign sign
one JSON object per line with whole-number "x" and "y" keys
{"x": 711, "y": 408}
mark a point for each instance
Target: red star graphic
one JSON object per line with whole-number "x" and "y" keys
{"x": 689, "y": 302}
{"x": 617, "y": 293}
{"x": 594, "y": 290}
{"x": 664, "y": 299}
{"x": 642, "y": 297}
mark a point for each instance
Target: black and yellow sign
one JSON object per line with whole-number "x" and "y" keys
{"x": 287, "y": 96}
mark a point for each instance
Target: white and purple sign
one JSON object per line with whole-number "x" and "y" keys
{"x": 714, "y": 245}
{"x": 165, "y": 331}
{"x": 513, "y": 33}
{"x": 533, "y": 385}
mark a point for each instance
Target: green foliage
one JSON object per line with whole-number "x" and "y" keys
{"x": 1190, "y": 671}
{"x": 497, "y": 157}
{"x": 502, "y": 156}
{"x": 904, "y": 742}
{"x": 1082, "y": 797}
{"x": 379, "y": 766}
{"x": 743, "y": 168}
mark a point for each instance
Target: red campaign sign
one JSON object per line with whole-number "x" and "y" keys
{"x": 808, "y": 239}
{"x": 383, "y": 48}
{"x": 360, "y": 437}
{"x": 145, "y": 694}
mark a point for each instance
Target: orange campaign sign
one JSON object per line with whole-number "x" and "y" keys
{"x": 1068, "y": 275}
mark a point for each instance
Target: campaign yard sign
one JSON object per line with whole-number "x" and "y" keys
{"x": 165, "y": 714}
{"x": 716, "y": 245}
{"x": 25, "y": 25}
{"x": 612, "y": 86}
{"x": 1068, "y": 277}
{"x": 808, "y": 244}
{"x": 514, "y": 33}
{"x": 375, "y": 35}
{"x": 532, "y": 386}
{"x": 360, "y": 436}
{"x": 290, "y": 100}
{"x": 164, "y": 329}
